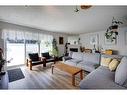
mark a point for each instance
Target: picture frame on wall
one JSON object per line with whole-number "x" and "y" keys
{"x": 94, "y": 39}
{"x": 61, "y": 40}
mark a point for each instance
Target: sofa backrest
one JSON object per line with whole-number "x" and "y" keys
{"x": 118, "y": 57}
{"x": 77, "y": 55}
{"x": 91, "y": 57}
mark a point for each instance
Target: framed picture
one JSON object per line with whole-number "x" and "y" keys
{"x": 111, "y": 40}
{"x": 61, "y": 40}
{"x": 94, "y": 39}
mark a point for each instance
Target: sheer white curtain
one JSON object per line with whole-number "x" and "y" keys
{"x": 12, "y": 34}
{"x": 31, "y": 36}
{"x": 17, "y": 34}
{"x": 44, "y": 37}
{"x": 45, "y": 40}
{"x": 45, "y": 43}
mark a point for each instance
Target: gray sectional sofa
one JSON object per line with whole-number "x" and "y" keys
{"x": 101, "y": 77}
{"x": 86, "y": 61}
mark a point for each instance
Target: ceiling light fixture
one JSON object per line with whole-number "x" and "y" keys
{"x": 84, "y": 7}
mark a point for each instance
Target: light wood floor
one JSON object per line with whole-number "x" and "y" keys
{"x": 42, "y": 78}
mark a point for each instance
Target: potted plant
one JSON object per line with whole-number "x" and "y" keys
{"x": 115, "y": 24}
{"x": 2, "y": 61}
{"x": 55, "y": 51}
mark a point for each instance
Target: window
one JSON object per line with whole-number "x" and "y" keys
{"x": 73, "y": 40}
{"x": 46, "y": 43}
{"x": 30, "y": 42}
{"x": 31, "y": 47}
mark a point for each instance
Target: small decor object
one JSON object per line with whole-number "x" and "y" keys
{"x": 94, "y": 39}
{"x": 94, "y": 49}
{"x": 61, "y": 40}
{"x": 66, "y": 48}
{"x": 111, "y": 33}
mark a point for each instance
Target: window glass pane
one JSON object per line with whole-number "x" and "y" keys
{"x": 15, "y": 53}
{"x": 31, "y": 47}
{"x": 46, "y": 43}
{"x": 45, "y": 46}
{"x": 73, "y": 39}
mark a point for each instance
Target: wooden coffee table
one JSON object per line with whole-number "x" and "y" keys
{"x": 69, "y": 69}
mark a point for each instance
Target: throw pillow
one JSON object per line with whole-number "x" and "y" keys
{"x": 33, "y": 56}
{"x": 121, "y": 72}
{"x": 46, "y": 55}
{"x": 105, "y": 61}
{"x": 113, "y": 64}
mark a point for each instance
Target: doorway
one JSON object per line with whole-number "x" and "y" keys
{"x": 16, "y": 52}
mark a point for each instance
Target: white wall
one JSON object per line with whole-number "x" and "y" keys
{"x": 120, "y": 46}
{"x": 4, "y": 25}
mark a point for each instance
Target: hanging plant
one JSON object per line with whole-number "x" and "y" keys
{"x": 110, "y": 36}
{"x": 112, "y": 30}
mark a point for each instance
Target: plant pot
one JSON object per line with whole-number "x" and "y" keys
{"x": 114, "y": 27}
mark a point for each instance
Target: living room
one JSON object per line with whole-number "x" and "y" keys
{"x": 71, "y": 35}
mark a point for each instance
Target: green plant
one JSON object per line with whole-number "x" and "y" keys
{"x": 109, "y": 36}
{"x": 112, "y": 30}
{"x": 55, "y": 51}
{"x": 47, "y": 43}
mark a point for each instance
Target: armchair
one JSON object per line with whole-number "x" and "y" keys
{"x": 47, "y": 58}
{"x": 34, "y": 59}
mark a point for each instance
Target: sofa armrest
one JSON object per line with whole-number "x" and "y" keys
{"x": 96, "y": 65}
{"x": 65, "y": 58}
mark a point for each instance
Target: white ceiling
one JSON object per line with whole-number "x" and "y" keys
{"x": 63, "y": 18}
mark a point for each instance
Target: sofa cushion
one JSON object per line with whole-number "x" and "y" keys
{"x": 113, "y": 64}
{"x": 105, "y": 61}
{"x": 77, "y": 55}
{"x": 46, "y": 55}
{"x": 66, "y": 58}
{"x": 91, "y": 57}
{"x": 101, "y": 78}
{"x": 118, "y": 57}
{"x": 121, "y": 72}
{"x": 36, "y": 62}
{"x": 74, "y": 60}
{"x": 70, "y": 62}
{"x": 87, "y": 66}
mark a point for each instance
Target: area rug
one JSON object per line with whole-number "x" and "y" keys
{"x": 15, "y": 74}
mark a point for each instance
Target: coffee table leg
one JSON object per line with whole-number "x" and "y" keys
{"x": 81, "y": 74}
{"x": 52, "y": 69}
{"x": 73, "y": 80}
